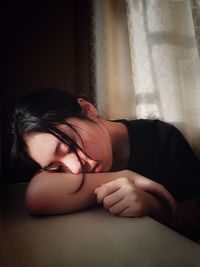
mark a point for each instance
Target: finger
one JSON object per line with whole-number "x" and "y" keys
{"x": 112, "y": 199}
{"x": 106, "y": 189}
{"x": 119, "y": 181}
{"x": 128, "y": 212}
{"x": 125, "y": 213}
{"x": 119, "y": 207}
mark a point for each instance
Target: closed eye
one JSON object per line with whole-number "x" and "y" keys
{"x": 62, "y": 148}
{"x": 59, "y": 167}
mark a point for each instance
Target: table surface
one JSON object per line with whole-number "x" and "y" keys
{"x": 89, "y": 238}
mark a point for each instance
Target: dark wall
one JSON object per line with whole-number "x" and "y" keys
{"x": 44, "y": 45}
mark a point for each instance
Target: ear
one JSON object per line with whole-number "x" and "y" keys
{"x": 88, "y": 109}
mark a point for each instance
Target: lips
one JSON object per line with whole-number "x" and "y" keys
{"x": 96, "y": 168}
{"x": 89, "y": 169}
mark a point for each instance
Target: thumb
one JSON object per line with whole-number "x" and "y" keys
{"x": 96, "y": 190}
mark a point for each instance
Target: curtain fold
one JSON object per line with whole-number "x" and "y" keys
{"x": 146, "y": 62}
{"x": 195, "y": 6}
{"x": 111, "y": 59}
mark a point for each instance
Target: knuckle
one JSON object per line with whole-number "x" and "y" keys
{"x": 137, "y": 200}
{"x": 123, "y": 180}
{"x": 126, "y": 180}
{"x": 105, "y": 188}
{"x": 130, "y": 189}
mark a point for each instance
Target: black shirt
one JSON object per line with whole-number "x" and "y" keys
{"x": 160, "y": 152}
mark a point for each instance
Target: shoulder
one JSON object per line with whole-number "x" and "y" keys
{"x": 156, "y": 133}
{"x": 151, "y": 123}
{"x": 156, "y": 127}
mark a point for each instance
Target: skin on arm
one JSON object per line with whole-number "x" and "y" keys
{"x": 53, "y": 193}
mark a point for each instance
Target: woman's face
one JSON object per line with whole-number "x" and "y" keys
{"x": 92, "y": 137}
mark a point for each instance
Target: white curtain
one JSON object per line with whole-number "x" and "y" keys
{"x": 146, "y": 62}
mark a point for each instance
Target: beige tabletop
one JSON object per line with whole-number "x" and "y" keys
{"x": 91, "y": 238}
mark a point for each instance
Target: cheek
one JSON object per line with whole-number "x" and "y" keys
{"x": 94, "y": 150}
{"x": 98, "y": 147}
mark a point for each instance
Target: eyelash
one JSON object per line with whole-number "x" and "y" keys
{"x": 59, "y": 168}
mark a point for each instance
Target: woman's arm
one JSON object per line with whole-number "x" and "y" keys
{"x": 53, "y": 193}
{"x": 56, "y": 193}
{"x": 143, "y": 196}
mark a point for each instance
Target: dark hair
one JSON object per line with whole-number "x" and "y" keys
{"x": 40, "y": 111}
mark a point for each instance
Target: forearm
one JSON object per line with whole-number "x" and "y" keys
{"x": 55, "y": 193}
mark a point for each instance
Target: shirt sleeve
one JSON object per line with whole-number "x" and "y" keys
{"x": 181, "y": 166}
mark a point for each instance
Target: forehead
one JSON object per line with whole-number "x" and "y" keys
{"x": 41, "y": 146}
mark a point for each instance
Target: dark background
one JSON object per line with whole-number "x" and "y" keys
{"x": 43, "y": 45}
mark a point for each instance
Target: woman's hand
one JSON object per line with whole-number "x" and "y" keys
{"x": 154, "y": 189}
{"x": 133, "y": 195}
{"x": 123, "y": 198}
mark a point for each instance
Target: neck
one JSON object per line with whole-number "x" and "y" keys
{"x": 120, "y": 143}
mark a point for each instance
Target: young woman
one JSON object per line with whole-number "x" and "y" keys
{"x": 133, "y": 168}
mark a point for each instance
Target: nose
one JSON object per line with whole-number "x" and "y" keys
{"x": 72, "y": 162}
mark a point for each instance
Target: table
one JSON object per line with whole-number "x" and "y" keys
{"x": 90, "y": 238}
